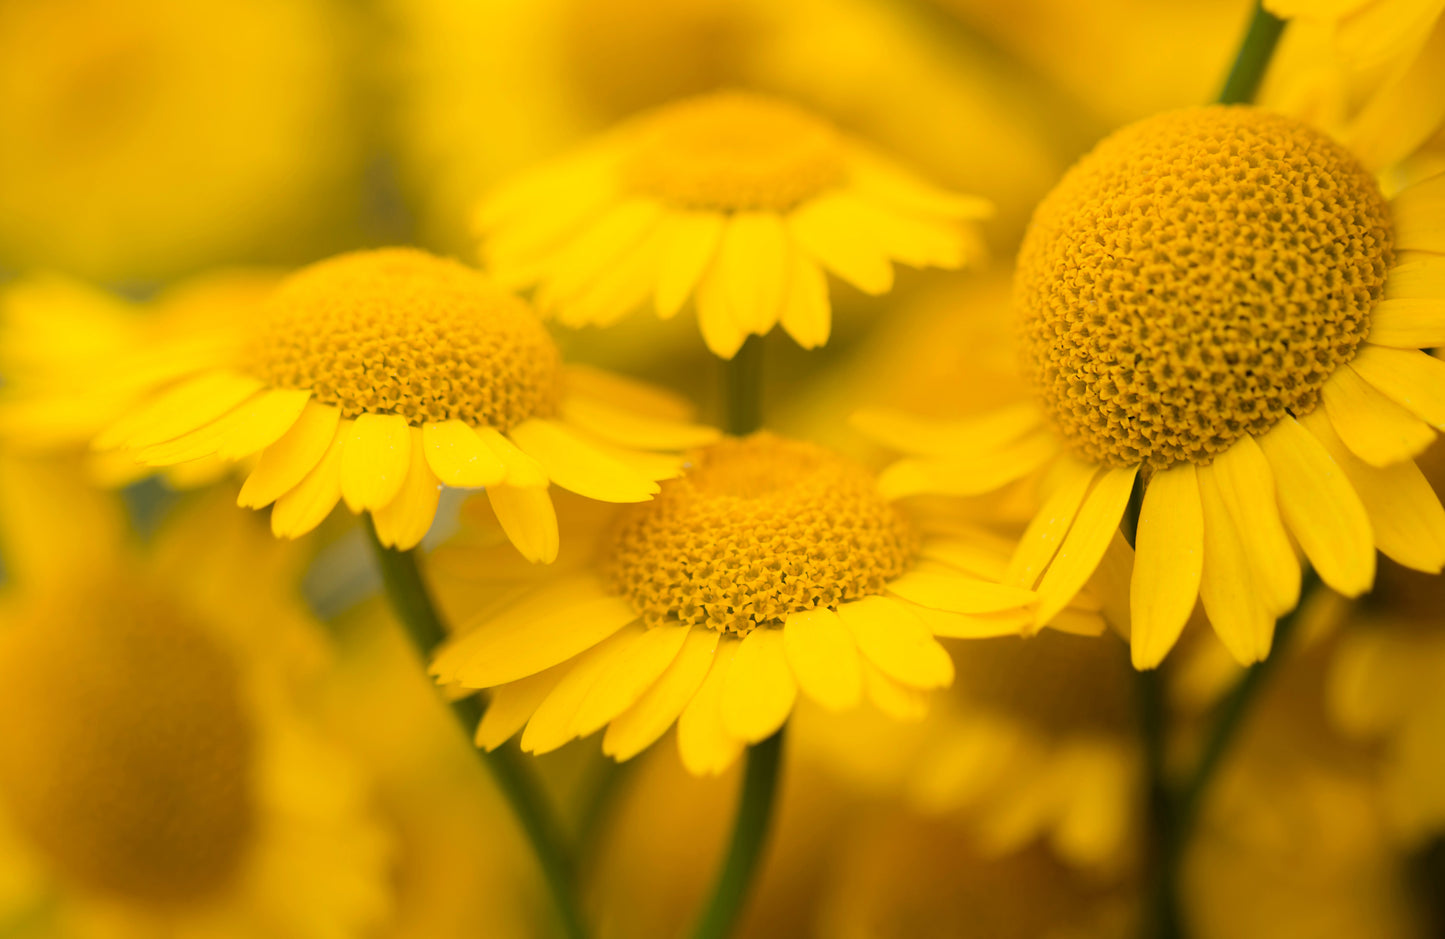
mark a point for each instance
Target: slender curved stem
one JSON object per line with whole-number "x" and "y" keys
{"x": 1253, "y": 57}
{"x": 743, "y": 388}
{"x": 750, "y": 834}
{"x": 412, "y": 603}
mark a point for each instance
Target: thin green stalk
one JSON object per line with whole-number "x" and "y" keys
{"x": 1253, "y": 57}
{"x": 750, "y": 835}
{"x": 1163, "y": 919}
{"x": 743, "y": 388}
{"x": 412, "y": 603}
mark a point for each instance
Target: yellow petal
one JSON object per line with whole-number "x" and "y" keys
{"x": 823, "y": 658}
{"x": 287, "y": 461}
{"x": 306, "y": 505}
{"x": 629, "y": 676}
{"x": 554, "y": 722}
{"x": 626, "y": 394}
{"x": 976, "y": 625}
{"x": 916, "y": 240}
{"x": 545, "y": 628}
{"x": 631, "y": 429}
{"x": 703, "y": 741}
{"x": 1168, "y": 560}
{"x": 1086, "y": 541}
{"x": 512, "y": 705}
{"x": 968, "y": 476}
{"x": 909, "y": 433}
{"x": 640, "y": 725}
{"x": 193, "y": 403}
{"x": 622, "y": 287}
{"x": 375, "y": 461}
{"x": 760, "y": 689}
{"x": 1237, "y": 608}
{"x": 881, "y": 180}
{"x": 958, "y": 593}
{"x": 529, "y": 520}
{"x": 576, "y": 465}
{"x": 588, "y": 256}
{"x": 1408, "y": 324}
{"x": 1416, "y": 276}
{"x": 831, "y": 229}
{"x": 1419, "y": 216}
{"x": 1405, "y": 515}
{"x": 895, "y": 699}
{"x": 721, "y": 331}
{"x": 404, "y": 521}
{"x": 1374, "y": 427}
{"x": 1046, "y": 530}
{"x": 693, "y": 241}
{"x": 1410, "y": 377}
{"x": 522, "y": 470}
{"x": 1246, "y": 484}
{"x": 807, "y": 315}
{"x": 459, "y": 458}
{"x": 752, "y": 262}
{"x": 1321, "y": 508}
{"x": 893, "y": 638}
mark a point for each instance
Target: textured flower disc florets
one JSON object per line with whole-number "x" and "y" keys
{"x": 756, "y": 529}
{"x": 1196, "y": 277}
{"x": 399, "y": 331}
{"x": 733, "y": 151}
{"x": 126, "y": 756}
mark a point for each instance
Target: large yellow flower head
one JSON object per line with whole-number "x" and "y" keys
{"x": 378, "y": 377}
{"x": 1220, "y": 305}
{"x": 735, "y": 199}
{"x": 151, "y": 737}
{"x": 770, "y": 567}
{"x": 142, "y": 140}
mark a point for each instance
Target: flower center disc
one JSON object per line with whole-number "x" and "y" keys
{"x": 398, "y": 331}
{"x": 125, "y": 754}
{"x": 1196, "y": 277}
{"x": 733, "y": 151}
{"x": 756, "y": 529}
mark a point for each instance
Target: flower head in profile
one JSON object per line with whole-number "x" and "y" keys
{"x": 377, "y": 377}
{"x": 153, "y": 733}
{"x": 769, "y": 568}
{"x": 737, "y": 200}
{"x": 1221, "y": 307}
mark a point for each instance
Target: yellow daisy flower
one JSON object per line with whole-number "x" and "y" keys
{"x": 157, "y": 773}
{"x": 769, "y": 568}
{"x": 1190, "y": 295}
{"x": 377, "y": 377}
{"x": 736, "y": 199}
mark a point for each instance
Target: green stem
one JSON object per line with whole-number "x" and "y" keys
{"x": 412, "y": 603}
{"x": 750, "y": 833}
{"x": 743, "y": 388}
{"x": 1163, "y": 920}
{"x": 1253, "y": 58}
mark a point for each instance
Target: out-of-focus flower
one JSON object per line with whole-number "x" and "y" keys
{"x": 376, "y": 378}
{"x": 144, "y": 138}
{"x": 1220, "y": 304}
{"x": 159, "y": 773}
{"x": 1373, "y": 70}
{"x": 739, "y": 200}
{"x": 1293, "y": 839}
{"x": 1036, "y": 740}
{"x": 904, "y": 876}
{"x": 768, "y": 568}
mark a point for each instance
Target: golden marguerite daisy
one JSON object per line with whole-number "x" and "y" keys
{"x": 159, "y": 771}
{"x": 739, "y": 200}
{"x": 377, "y": 377}
{"x": 1218, "y": 305}
{"x": 770, "y": 567}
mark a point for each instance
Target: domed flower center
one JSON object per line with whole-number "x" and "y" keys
{"x": 758, "y": 528}
{"x": 125, "y": 754}
{"x": 398, "y": 331}
{"x": 1194, "y": 279}
{"x": 733, "y": 151}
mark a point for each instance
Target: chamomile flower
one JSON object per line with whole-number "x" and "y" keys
{"x": 1221, "y": 306}
{"x": 158, "y": 772}
{"x": 737, "y": 200}
{"x": 770, "y": 567}
{"x": 377, "y": 377}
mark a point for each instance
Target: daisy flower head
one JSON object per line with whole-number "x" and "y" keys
{"x": 1220, "y": 306}
{"x": 769, "y": 567}
{"x": 151, "y": 738}
{"x": 377, "y": 377}
{"x": 736, "y": 200}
